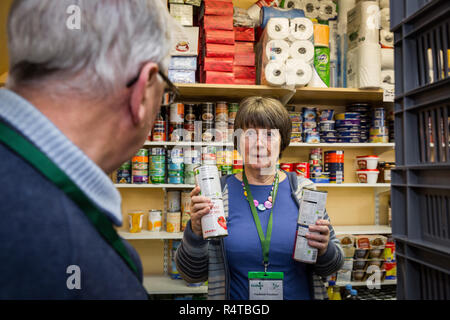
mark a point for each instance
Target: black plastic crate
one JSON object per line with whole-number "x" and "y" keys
{"x": 421, "y": 181}
{"x": 422, "y": 274}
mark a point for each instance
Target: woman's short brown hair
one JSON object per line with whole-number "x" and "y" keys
{"x": 267, "y": 113}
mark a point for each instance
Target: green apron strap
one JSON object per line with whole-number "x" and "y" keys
{"x": 48, "y": 169}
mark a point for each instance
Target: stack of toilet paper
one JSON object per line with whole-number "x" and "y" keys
{"x": 364, "y": 50}
{"x": 314, "y": 9}
{"x": 286, "y": 52}
{"x": 387, "y": 50}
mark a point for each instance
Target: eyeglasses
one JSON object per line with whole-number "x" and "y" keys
{"x": 170, "y": 93}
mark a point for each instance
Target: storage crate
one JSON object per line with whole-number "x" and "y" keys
{"x": 421, "y": 181}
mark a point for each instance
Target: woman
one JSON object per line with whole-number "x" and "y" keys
{"x": 259, "y": 196}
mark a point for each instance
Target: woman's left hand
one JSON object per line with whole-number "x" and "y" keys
{"x": 319, "y": 240}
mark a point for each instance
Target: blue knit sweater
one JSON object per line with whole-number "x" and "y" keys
{"x": 44, "y": 236}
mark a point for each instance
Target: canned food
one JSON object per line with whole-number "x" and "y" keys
{"x": 232, "y": 111}
{"x": 192, "y": 156}
{"x": 214, "y": 224}
{"x": 348, "y": 116}
{"x": 154, "y": 220}
{"x": 136, "y": 220}
{"x": 326, "y": 115}
{"x": 185, "y": 209}
{"x": 176, "y": 132}
{"x": 226, "y": 169}
{"x": 209, "y": 155}
{"x": 189, "y": 173}
{"x": 379, "y": 114}
{"x": 208, "y": 112}
{"x": 288, "y": 167}
{"x": 221, "y": 112}
{"x": 302, "y": 169}
{"x": 159, "y": 131}
{"x": 309, "y": 114}
{"x": 207, "y": 131}
{"x": 326, "y": 125}
{"x": 176, "y": 113}
{"x": 123, "y": 176}
{"x": 157, "y": 167}
{"x": 297, "y": 127}
{"x": 173, "y": 201}
{"x": 295, "y": 116}
{"x": 207, "y": 178}
{"x": 189, "y": 113}
{"x": 189, "y": 131}
{"x": 312, "y": 137}
{"x": 175, "y": 179}
{"x": 296, "y": 137}
{"x": 173, "y": 221}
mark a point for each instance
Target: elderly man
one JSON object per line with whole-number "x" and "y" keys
{"x": 79, "y": 102}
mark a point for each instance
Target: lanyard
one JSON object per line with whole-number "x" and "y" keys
{"x": 265, "y": 240}
{"x": 45, "y": 166}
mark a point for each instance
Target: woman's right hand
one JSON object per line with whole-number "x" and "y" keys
{"x": 199, "y": 207}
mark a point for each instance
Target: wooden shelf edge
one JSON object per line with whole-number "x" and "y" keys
{"x": 3, "y": 78}
{"x": 163, "y": 284}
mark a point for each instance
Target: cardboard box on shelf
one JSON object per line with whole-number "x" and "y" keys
{"x": 185, "y": 42}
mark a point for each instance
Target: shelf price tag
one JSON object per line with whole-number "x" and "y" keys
{"x": 388, "y": 94}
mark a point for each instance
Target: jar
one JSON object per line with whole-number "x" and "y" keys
{"x": 387, "y": 171}
{"x": 381, "y": 167}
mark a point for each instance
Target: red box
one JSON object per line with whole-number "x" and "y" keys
{"x": 218, "y": 64}
{"x": 219, "y": 50}
{"x": 244, "y": 59}
{"x": 218, "y": 77}
{"x": 218, "y": 22}
{"x": 245, "y": 81}
{"x": 288, "y": 167}
{"x": 302, "y": 169}
{"x": 244, "y": 47}
{"x": 244, "y": 34}
{"x": 242, "y": 72}
{"x": 218, "y": 8}
{"x": 219, "y": 36}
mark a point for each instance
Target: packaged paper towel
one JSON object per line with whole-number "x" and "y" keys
{"x": 277, "y": 50}
{"x": 385, "y": 19}
{"x": 386, "y": 38}
{"x": 277, "y": 28}
{"x": 363, "y": 24}
{"x": 387, "y": 58}
{"x": 364, "y": 66}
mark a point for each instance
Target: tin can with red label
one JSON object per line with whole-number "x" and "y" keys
{"x": 288, "y": 167}
{"x": 302, "y": 169}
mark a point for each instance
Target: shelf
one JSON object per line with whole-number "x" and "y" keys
{"x": 306, "y": 95}
{"x": 294, "y": 145}
{"x": 203, "y": 92}
{"x": 336, "y": 96}
{"x": 353, "y": 185}
{"x": 165, "y": 285}
{"x": 362, "y": 229}
{"x": 153, "y": 186}
{"x": 150, "y": 235}
{"x": 364, "y": 283}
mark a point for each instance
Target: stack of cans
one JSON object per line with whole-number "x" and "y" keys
{"x": 139, "y": 166}
{"x": 192, "y": 159}
{"x": 124, "y": 173}
{"x": 189, "y": 122}
{"x": 158, "y": 132}
{"x": 297, "y": 126}
{"x": 238, "y": 163}
{"x": 348, "y": 126}
{"x": 334, "y": 165}
{"x": 310, "y": 130}
{"x": 315, "y": 164}
{"x": 232, "y": 111}
{"x": 157, "y": 165}
{"x": 221, "y": 122}
{"x": 207, "y": 116}
{"x": 364, "y": 111}
{"x": 224, "y": 158}
{"x": 175, "y": 166}
{"x": 327, "y": 126}
{"x": 379, "y": 130}
{"x": 176, "y": 126}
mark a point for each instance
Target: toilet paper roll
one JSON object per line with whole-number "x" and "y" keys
{"x": 388, "y": 77}
{"x": 301, "y": 29}
{"x": 384, "y": 4}
{"x": 277, "y": 50}
{"x": 302, "y": 50}
{"x": 386, "y": 38}
{"x": 298, "y": 72}
{"x": 327, "y": 10}
{"x": 387, "y": 58}
{"x": 278, "y": 28}
{"x": 369, "y": 65}
{"x": 275, "y": 74}
{"x": 385, "y": 15}
{"x": 311, "y": 8}
{"x": 293, "y": 4}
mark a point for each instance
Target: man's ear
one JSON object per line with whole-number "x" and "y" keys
{"x": 138, "y": 97}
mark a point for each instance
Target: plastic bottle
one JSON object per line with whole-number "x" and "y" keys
{"x": 347, "y": 292}
{"x": 336, "y": 294}
{"x": 354, "y": 295}
{"x": 330, "y": 289}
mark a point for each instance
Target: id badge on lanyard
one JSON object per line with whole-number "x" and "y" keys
{"x": 264, "y": 285}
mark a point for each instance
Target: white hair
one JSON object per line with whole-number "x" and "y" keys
{"x": 115, "y": 38}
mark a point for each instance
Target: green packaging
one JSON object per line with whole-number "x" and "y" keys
{"x": 322, "y": 63}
